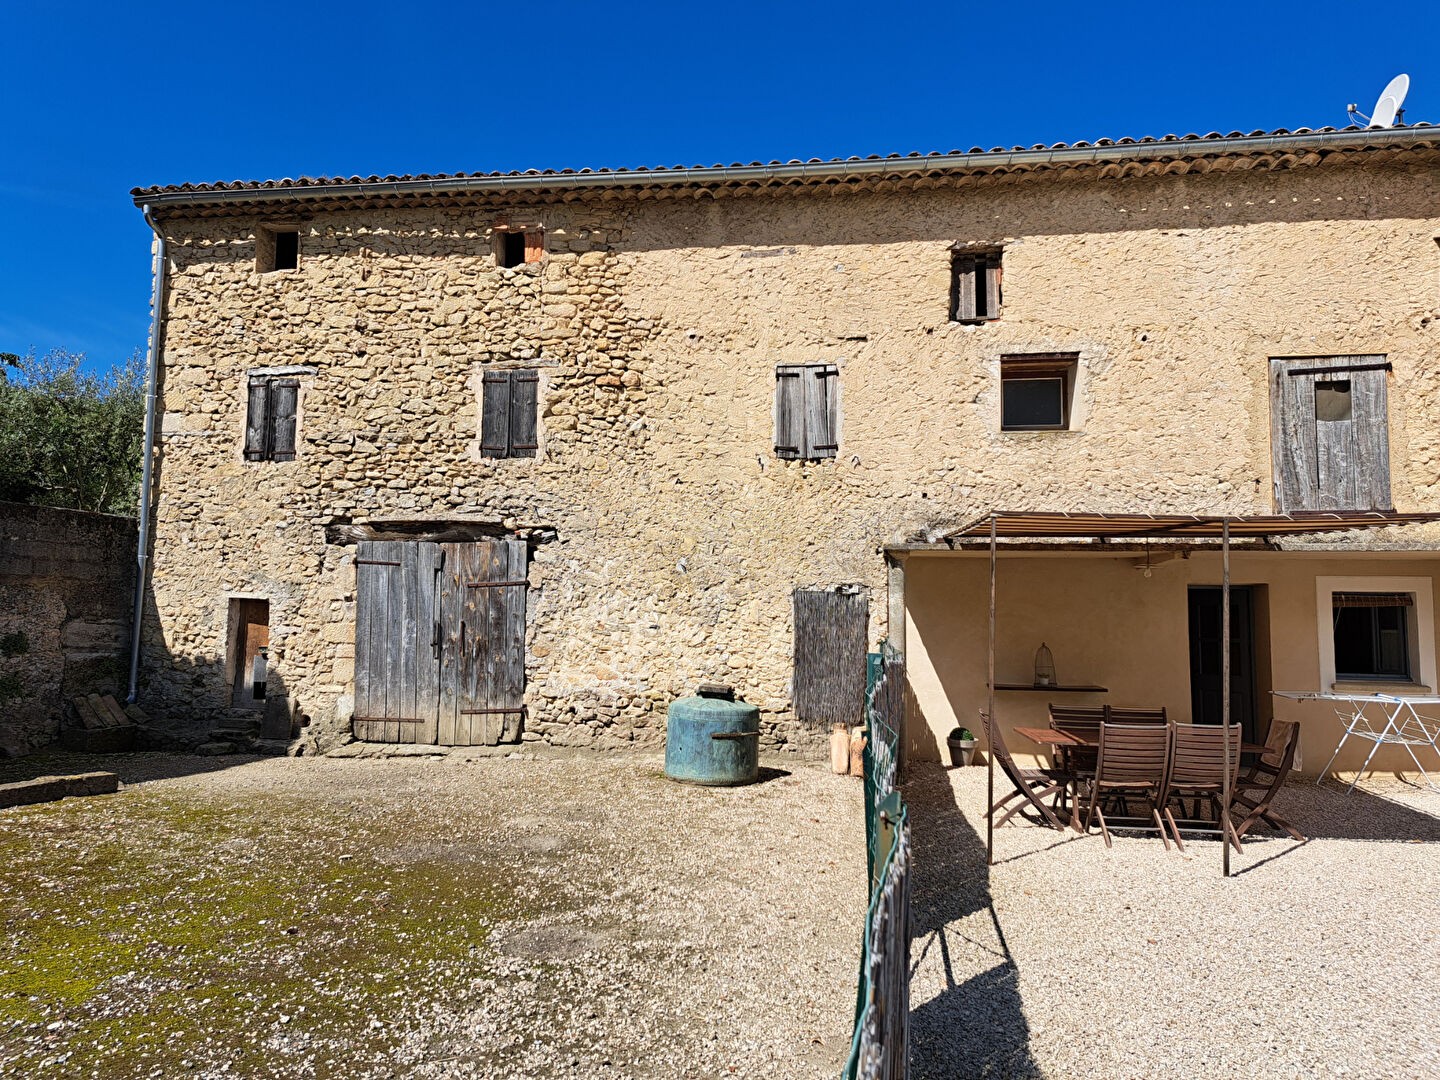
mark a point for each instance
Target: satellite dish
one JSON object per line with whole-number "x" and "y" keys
{"x": 1388, "y": 108}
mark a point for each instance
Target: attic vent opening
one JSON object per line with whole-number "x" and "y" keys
{"x": 512, "y": 248}
{"x": 515, "y": 246}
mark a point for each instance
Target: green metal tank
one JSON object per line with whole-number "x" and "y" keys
{"x": 712, "y": 739}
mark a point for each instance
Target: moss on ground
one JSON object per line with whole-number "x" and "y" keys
{"x": 164, "y": 934}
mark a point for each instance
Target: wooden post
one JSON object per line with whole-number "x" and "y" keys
{"x": 994, "y": 720}
{"x": 1225, "y": 690}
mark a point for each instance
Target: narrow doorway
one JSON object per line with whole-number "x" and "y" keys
{"x": 249, "y": 637}
{"x": 1206, "y": 643}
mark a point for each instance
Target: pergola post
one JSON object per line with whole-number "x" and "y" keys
{"x": 994, "y": 720}
{"x": 1225, "y": 691}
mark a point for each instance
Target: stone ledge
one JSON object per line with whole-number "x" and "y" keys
{"x": 50, "y": 788}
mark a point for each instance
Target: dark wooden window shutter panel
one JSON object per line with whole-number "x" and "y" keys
{"x": 524, "y": 403}
{"x": 789, "y": 412}
{"x": 256, "y": 410}
{"x": 975, "y": 285}
{"x": 284, "y": 399}
{"x": 821, "y": 383}
{"x": 1332, "y": 457}
{"x": 495, "y": 414}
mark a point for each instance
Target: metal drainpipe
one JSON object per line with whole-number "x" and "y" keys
{"x": 147, "y": 453}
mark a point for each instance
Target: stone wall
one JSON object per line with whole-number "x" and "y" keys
{"x": 657, "y": 326}
{"x": 67, "y": 581}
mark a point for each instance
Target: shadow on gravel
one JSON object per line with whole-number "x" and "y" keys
{"x": 131, "y": 768}
{"x": 976, "y": 1027}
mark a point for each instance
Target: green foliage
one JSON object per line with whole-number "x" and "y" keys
{"x": 70, "y": 437}
{"x": 16, "y": 644}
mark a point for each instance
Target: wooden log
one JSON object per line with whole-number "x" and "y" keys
{"x": 840, "y": 749}
{"x": 857, "y": 752}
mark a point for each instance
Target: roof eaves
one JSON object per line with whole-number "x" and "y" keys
{"x": 1101, "y": 152}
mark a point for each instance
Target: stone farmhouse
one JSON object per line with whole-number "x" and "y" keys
{"x": 526, "y": 456}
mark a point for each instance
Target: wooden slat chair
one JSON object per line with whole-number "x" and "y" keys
{"x": 1197, "y": 771}
{"x": 1132, "y": 762}
{"x": 1257, "y": 787}
{"x": 1032, "y": 786}
{"x": 1082, "y": 720}
{"x": 1126, "y": 714}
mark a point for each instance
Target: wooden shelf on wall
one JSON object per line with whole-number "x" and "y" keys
{"x": 1062, "y": 688}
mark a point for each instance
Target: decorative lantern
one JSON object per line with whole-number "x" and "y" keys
{"x": 1044, "y": 667}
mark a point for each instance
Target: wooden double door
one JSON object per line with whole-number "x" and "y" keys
{"x": 440, "y": 642}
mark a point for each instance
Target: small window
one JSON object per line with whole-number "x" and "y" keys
{"x": 270, "y": 419}
{"x": 508, "y": 413}
{"x": 514, "y": 247}
{"x": 807, "y": 417}
{"x": 1372, "y": 635}
{"x": 974, "y": 285}
{"x": 277, "y": 249}
{"x": 1035, "y": 392}
{"x": 1332, "y": 400}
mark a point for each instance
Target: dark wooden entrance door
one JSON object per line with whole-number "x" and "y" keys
{"x": 1206, "y": 644}
{"x": 439, "y": 642}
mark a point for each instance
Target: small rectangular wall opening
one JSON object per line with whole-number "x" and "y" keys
{"x": 512, "y": 249}
{"x": 249, "y": 624}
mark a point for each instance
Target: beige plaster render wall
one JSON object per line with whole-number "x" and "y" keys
{"x": 658, "y": 325}
{"x": 1109, "y": 625}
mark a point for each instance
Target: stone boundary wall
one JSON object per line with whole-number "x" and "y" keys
{"x": 67, "y": 583}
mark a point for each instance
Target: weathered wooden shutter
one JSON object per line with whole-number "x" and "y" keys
{"x": 534, "y": 246}
{"x": 396, "y": 641}
{"x": 1337, "y": 460}
{"x": 495, "y": 414}
{"x": 789, "y": 411}
{"x": 991, "y": 274}
{"x": 822, "y": 385}
{"x": 831, "y": 632}
{"x": 256, "y": 427}
{"x": 284, "y": 398}
{"x": 482, "y": 666}
{"x": 524, "y": 402}
{"x": 962, "y": 285}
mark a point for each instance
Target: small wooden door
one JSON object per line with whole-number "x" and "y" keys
{"x": 439, "y": 642}
{"x": 482, "y": 645}
{"x": 1206, "y": 651}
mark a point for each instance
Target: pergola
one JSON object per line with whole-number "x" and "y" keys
{"x": 1042, "y": 525}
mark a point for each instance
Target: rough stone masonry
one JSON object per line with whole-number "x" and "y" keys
{"x": 673, "y": 537}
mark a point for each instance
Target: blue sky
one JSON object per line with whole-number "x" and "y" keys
{"x": 97, "y": 100}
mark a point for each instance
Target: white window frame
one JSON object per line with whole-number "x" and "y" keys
{"x": 1422, "y": 626}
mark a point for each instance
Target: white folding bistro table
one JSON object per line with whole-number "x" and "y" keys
{"x": 1382, "y": 719}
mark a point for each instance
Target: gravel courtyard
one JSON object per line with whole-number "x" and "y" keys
{"x": 1067, "y": 960}
{"x": 559, "y": 916}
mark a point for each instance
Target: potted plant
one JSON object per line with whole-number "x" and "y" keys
{"x": 962, "y": 746}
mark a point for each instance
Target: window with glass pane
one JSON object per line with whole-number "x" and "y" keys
{"x": 1035, "y": 392}
{"x": 1372, "y": 635}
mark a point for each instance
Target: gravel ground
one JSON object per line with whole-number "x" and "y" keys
{"x": 559, "y": 916}
{"x": 1068, "y": 960}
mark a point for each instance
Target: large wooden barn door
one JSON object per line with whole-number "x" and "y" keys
{"x": 396, "y": 663}
{"x": 439, "y": 642}
{"x": 482, "y": 648}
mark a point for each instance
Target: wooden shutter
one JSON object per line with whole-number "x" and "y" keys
{"x": 831, "y": 632}
{"x": 789, "y": 411}
{"x": 962, "y": 269}
{"x": 255, "y": 423}
{"x": 284, "y": 398}
{"x": 1371, "y": 426}
{"x": 495, "y": 414}
{"x": 482, "y": 648}
{"x": 1332, "y": 464}
{"x": 991, "y": 274}
{"x": 822, "y": 384}
{"x": 534, "y": 246}
{"x": 396, "y": 641}
{"x": 524, "y": 402}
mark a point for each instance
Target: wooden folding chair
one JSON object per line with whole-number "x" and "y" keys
{"x": 1032, "y": 786}
{"x": 1131, "y": 763}
{"x": 1126, "y": 714}
{"x": 1266, "y": 777}
{"x": 1197, "y": 771}
{"x": 1081, "y": 720}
